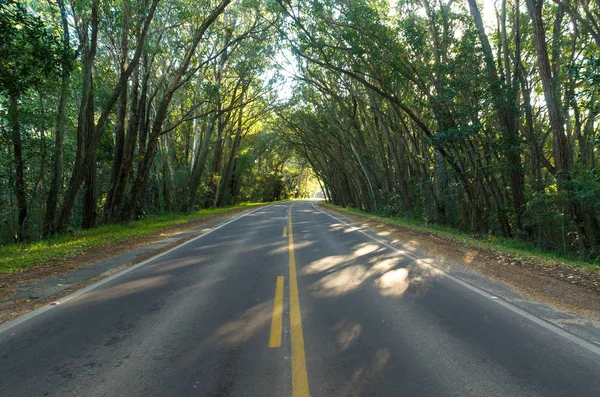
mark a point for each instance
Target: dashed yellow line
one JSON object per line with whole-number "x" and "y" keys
{"x": 277, "y": 319}
{"x": 284, "y": 231}
{"x": 299, "y": 373}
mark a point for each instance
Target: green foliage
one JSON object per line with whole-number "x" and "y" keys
{"x": 416, "y": 110}
{"x": 29, "y": 51}
{"x": 394, "y": 109}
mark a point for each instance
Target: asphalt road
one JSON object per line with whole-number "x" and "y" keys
{"x": 273, "y": 305}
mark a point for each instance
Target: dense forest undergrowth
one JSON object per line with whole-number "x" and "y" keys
{"x": 478, "y": 116}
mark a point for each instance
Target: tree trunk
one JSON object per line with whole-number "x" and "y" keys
{"x": 506, "y": 112}
{"x": 20, "y": 188}
{"x": 85, "y": 118}
{"x": 118, "y": 153}
{"x": 85, "y": 162}
{"x": 57, "y": 165}
{"x": 199, "y": 165}
{"x": 561, "y": 144}
{"x": 587, "y": 222}
{"x": 120, "y": 122}
{"x": 134, "y": 123}
{"x": 90, "y": 208}
{"x": 161, "y": 113}
{"x": 228, "y": 172}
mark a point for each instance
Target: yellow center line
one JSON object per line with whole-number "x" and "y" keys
{"x": 299, "y": 374}
{"x": 284, "y": 231}
{"x": 277, "y": 319}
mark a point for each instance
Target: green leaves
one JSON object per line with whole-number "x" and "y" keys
{"x": 29, "y": 51}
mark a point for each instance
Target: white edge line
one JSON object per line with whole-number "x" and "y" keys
{"x": 502, "y": 302}
{"x": 21, "y": 319}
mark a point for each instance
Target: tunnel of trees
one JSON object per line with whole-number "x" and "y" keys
{"x": 482, "y": 116}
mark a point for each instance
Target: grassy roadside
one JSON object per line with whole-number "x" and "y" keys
{"x": 516, "y": 250}
{"x": 14, "y": 258}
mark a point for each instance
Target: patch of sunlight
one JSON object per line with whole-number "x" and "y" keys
{"x": 324, "y": 264}
{"x": 284, "y": 249}
{"x": 393, "y": 282}
{"x": 365, "y": 248}
{"x": 343, "y": 274}
{"x": 423, "y": 270}
{"x": 470, "y": 256}
{"x": 381, "y": 266}
{"x": 330, "y": 262}
{"x": 175, "y": 264}
{"x": 341, "y": 282}
{"x": 240, "y": 330}
{"x": 348, "y": 333}
{"x": 417, "y": 274}
{"x": 337, "y": 226}
{"x": 411, "y": 245}
{"x": 363, "y": 376}
{"x": 121, "y": 290}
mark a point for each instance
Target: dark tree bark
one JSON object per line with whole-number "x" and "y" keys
{"x": 119, "y": 147}
{"x": 506, "y": 112}
{"x": 57, "y": 164}
{"x": 587, "y": 222}
{"x": 84, "y": 162}
{"x": 551, "y": 95}
{"x": 161, "y": 114}
{"x": 133, "y": 125}
{"x": 20, "y": 187}
{"x": 228, "y": 172}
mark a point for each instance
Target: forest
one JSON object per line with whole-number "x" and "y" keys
{"x": 480, "y": 116}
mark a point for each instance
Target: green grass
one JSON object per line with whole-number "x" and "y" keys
{"x": 18, "y": 257}
{"x": 514, "y": 249}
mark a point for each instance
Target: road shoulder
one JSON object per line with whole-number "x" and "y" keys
{"x": 25, "y": 291}
{"x": 571, "y": 307}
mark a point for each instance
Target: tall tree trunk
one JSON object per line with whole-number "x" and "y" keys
{"x": 20, "y": 188}
{"x": 587, "y": 222}
{"x": 91, "y": 185}
{"x": 217, "y": 163}
{"x": 134, "y": 123}
{"x": 506, "y": 111}
{"x": 118, "y": 153}
{"x": 228, "y": 171}
{"x": 85, "y": 120}
{"x": 90, "y": 198}
{"x": 85, "y": 163}
{"x": 199, "y": 165}
{"x": 57, "y": 164}
{"x": 120, "y": 122}
{"x": 536, "y": 151}
{"x": 555, "y": 114}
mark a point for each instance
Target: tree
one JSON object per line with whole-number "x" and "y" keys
{"x": 27, "y": 55}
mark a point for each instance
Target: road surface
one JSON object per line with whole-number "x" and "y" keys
{"x": 288, "y": 301}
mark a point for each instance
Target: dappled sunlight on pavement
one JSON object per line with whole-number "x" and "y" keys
{"x": 124, "y": 289}
{"x": 241, "y": 329}
{"x": 389, "y": 271}
{"x": 393, "y": 282}
{"x": 365, "y": 375}
{"x": 348, "y": 333}
{"x": 341, "y": 281}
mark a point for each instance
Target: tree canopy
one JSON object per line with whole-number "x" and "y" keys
{"x": 479, "y": 116}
